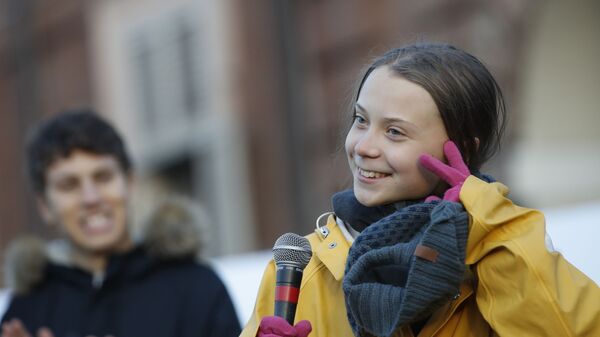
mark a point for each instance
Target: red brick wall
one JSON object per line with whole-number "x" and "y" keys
{"x": 44, "y": 68}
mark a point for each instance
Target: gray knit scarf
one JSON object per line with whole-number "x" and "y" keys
{"x": 404, "y": 266}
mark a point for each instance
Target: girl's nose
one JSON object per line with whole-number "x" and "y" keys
{"x": 366, "y": 146}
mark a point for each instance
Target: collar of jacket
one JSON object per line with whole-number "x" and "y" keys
{"x": 172, "y": 233}
{"x": 331, "y": 248}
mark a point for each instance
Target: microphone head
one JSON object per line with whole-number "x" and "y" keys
{"x": 292, "y": 249}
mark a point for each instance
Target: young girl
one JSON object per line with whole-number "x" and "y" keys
{"x": 419, "y": 247}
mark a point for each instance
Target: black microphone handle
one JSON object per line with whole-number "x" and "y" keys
{"x": 285, "y": 310}
{"x": 287, "y": 288}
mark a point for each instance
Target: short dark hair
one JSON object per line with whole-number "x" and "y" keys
{"x": 467, "y": 96}
{"x": 58, "y": 136}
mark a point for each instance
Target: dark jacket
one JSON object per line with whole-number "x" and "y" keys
{"x": 141, "y": 295}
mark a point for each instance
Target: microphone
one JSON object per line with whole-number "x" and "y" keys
{"x": 291, "y": 253}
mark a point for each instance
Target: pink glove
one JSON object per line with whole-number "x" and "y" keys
{"x": 273, "y": 326}
{"x": 455, "y": 174}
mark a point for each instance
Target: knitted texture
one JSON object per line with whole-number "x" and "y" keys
{"x": 386, "y": 285}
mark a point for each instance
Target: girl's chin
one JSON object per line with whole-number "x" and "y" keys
{"x": 373, "y": 199}
{"x": 369, "y": 199}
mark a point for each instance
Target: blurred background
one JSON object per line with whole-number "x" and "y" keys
{"x": 241, "y": 104}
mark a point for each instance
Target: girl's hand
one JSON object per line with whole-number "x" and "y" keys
{"x": 273, "y": 326}
{"x": 454, "y": 174}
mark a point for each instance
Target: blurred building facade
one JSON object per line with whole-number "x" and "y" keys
{"x": 555, "y": 152}
{"x": 240, "y": 105}
{"x": 44, "y": 67}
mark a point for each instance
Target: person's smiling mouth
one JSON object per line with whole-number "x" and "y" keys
{"x": 372, "y": 174}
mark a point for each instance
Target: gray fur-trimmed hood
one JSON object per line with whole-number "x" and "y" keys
{"x": 175, "y": 229}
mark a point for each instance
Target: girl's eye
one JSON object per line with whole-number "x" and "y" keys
{"x": 358, "y": 119}
{"x": 395, "y": 132}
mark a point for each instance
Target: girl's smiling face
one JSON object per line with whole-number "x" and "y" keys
{"x": 395, "y": 121}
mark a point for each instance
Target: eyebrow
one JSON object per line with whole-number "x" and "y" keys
{"x": 389, "y": 120}
{"x": 70, "y": 172}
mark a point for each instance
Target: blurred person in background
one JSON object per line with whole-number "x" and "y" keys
{"x": 97, "y": 280}
{"x": 424, "y": 244}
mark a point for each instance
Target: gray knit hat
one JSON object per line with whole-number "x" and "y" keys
{"x": 404, "y": 266}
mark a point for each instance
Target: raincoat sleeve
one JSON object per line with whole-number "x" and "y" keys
{"x": 265, "y": 300}
{"x": 523, "y": 288}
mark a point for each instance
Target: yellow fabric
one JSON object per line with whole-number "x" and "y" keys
{"x": 524, "y": 290}
{"x": 321, "y": 298}
{"x": 515, "y": 287}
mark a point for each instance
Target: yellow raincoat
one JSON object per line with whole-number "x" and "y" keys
{"x": 515, "y": 287}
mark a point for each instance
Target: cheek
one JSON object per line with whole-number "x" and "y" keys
{"x": 428, "y": 177}
{"x": 62, "y": 206}
{"x": 438, "y": 152}
{"x": 117, "y": 191}
{"x": 407, "y": 165}
{"x": 120, "y": 198}
{"x": 405, "y": 160}
{"x": 349, "y": 143}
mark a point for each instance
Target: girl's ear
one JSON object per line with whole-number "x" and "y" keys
{"x": 477, "y": 143}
